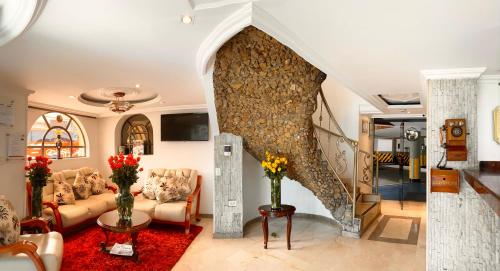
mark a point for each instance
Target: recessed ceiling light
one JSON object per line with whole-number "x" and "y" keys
{"x": 72, "y": 97}
{"x": 137, "y": 85}
{"x": 186, "y": 19}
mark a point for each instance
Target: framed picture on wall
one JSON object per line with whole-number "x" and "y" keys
{"x": 365, "y": 126}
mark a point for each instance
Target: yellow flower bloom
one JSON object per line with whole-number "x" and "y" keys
{"x": 279, "y": 169}
{"x": 273, "y": 170}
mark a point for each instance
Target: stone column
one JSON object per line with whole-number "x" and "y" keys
{"x": 228, "y": 193}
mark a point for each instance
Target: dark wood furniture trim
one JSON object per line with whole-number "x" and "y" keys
{"x": 58, "y": 226}
{"x": 266, "y": 211}
{"x": 486, "y": 182}
{"x": 27, "y": 247}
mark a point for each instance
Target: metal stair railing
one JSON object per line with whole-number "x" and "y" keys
{"x": 332, "y": 140}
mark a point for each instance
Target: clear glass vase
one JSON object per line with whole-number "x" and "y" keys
{"x": 124, "y": 204}
{"x": 36, "y": 200}
{"x": 275, "y": 193}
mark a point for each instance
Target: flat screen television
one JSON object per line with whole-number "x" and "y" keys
{"x": 184, "y": 127}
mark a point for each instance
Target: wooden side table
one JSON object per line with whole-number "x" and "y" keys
{"x": 266, "y": 211}
{"x": 109, "y": 222}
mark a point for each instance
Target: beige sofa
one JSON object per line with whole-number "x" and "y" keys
{"x": 68, "y": 217}
{"x": 178, "y": 212}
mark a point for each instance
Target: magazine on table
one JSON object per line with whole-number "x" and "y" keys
{"x": 122, "y": 249}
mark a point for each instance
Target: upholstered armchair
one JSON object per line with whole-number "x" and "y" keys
{"x": 176, "y": 212}
{"x": 42, "y": 251}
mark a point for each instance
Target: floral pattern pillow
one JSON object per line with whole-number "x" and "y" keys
{"x": 63, "y": 193}
{"x": 82, "y": 187}
{"x": 10, "y": 228}
{"x": 148, "y": 190}
{"x": 98, "y": 185}
{"x": 172, "y": 189}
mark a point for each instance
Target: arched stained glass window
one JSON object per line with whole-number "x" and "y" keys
{"x": 56, "y": 135}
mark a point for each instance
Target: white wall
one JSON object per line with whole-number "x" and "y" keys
{"x": 12, "y": 181}
{"x": 90, "y": 127}
{"x": 196, "y": 155}
{"x": 257, "y": 191}
{"x": 488, "y": 98}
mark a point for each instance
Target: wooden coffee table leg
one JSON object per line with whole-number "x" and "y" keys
{"x": 288, "y": 230}
{"x": 134, "y": 236}
{"x": 105, "y": 243}
{"x": 265, "y": 230}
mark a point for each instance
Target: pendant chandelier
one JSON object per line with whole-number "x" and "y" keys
{"x": 119, "y": 105}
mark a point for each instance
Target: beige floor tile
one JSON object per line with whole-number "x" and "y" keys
{"x": 315, "y": 246}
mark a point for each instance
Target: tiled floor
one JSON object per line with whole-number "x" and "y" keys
{"x": 315, "y": 246}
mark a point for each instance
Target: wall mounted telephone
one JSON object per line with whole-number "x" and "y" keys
{"x": 453, "y": 137}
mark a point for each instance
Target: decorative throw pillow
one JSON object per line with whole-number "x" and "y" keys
{"x": 63, "y": 193}
{"x": 98, "y": 185}
{"x": 10, "y": 228}
{"x": 172, "y": 189}
{"x": 148, "y": 190}
{"x": 82, "y": 187}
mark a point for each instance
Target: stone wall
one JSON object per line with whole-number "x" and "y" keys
{"x": 266, "y": 93}
{"x": 463, "y": 231}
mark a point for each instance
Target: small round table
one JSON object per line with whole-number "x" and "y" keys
{"x": 285, "y": 210}
{"x": 110, "y": 222}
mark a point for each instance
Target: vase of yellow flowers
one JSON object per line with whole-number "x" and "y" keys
{"x": 275, "y": 169}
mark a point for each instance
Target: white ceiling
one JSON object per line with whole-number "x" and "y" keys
{"x": 373, "y": 46}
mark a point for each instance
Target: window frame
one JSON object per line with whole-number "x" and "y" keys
{"x": 66, "y": 130}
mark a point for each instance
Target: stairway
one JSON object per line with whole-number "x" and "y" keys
{"x": 268, "y": 95}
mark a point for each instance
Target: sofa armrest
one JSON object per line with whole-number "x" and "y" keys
{"x": 57, "y": 215}
{"x": 36, "y": 223}
{"x": 136, "y": 193}
{"x": 194, "y": 195}
{"x": 112, "y": 188}
{"x": 26, "y": 247}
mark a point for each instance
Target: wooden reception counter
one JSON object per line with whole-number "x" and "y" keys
{"x": 486, "y": 182}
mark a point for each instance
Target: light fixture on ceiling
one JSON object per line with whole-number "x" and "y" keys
{"x": 186, "y": 19}
{"x": 119, "y": 105}
{"x": 72, "y": 97}
{"x": 137, "y": 85}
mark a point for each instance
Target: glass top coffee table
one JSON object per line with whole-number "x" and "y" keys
{"x": 109, "y": 222}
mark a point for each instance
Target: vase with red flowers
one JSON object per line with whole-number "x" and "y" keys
{"x": 38, "y": 172}
{"x": 125, "y": 170}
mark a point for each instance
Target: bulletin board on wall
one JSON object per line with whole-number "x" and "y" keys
{"x": 12, "y": 145}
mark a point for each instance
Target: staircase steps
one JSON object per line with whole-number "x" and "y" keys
{"x": 368, "y": 208}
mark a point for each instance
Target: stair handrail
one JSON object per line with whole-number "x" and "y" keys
{"x": 353, "y": 145}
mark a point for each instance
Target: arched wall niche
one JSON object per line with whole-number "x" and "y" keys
{"x": 125, "y": 126}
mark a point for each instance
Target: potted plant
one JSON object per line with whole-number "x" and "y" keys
{"x": 125, "y": 170}
{"x": 38, "y": 172}
{"x": 275, "y": 170}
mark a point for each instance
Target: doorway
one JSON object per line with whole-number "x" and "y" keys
{"x": 400, "y": 149}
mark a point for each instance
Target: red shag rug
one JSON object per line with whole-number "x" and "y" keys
{"x": 159, "y": 246}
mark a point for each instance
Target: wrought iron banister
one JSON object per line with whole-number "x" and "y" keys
{"x": 336, "y": 156}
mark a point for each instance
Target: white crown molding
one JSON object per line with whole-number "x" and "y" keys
{"x": 26, "y": 14}
{"x": 489, "y": 79}
{"x": 452, "y": 73}
{"x": 399, "y": 116}
{"x": 49, "y": 107}
{"x": 215, "y": 4}
{"x": 173, "y": 108}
